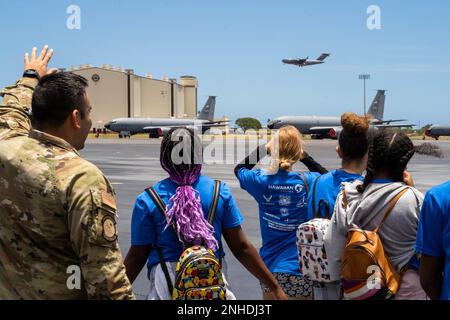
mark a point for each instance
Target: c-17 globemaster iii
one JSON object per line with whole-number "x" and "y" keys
{"x": 305, "y": 62}
{"x": 320, "y": 127}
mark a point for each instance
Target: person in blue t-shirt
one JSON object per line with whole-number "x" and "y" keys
{"x": 281, "y": 195}
{"x": 433, "y": 242}
{"x": 363, "y": 204}
{"x": 353, "y": 145}
{"x": 188, "y": 196}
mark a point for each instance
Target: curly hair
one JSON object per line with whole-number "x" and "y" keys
{"x": 353, "y": 140}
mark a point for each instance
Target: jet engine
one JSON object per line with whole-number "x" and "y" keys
{"x": 335, "y": 132}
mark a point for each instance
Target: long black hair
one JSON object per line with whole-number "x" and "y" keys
{"x": 390, "y": 152}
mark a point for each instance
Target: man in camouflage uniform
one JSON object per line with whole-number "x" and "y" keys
{"x": 57, "y": 210}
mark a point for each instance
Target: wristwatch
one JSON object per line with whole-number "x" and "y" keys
{"x": 31, "y": 73}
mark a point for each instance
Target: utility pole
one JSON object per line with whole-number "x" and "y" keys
{"x": 364, "y": 77}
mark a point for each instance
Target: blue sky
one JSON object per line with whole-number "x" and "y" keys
{"x": 235, "y": 49}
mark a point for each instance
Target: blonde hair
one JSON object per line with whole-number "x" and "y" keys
{"x": 286, "y": 148}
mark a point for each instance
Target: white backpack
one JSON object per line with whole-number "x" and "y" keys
{"x": 311, "y": 249}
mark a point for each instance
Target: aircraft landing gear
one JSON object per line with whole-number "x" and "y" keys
{"x": 124, "y": 134}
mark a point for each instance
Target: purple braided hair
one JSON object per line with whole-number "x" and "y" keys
{"x": 184, "y": 206}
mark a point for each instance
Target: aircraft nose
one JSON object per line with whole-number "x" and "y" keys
{"x": 108, "y": 125}
{"x": 271, "y": 125}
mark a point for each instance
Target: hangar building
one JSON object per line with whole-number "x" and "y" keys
{"x": 118, "y": 93}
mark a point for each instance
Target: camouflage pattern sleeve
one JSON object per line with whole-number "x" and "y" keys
{"x": 15, "y": 108}
{"x": 92, "y": 218}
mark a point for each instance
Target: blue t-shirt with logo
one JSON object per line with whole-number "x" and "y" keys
{"x": 282, "y": 200}
{"x": 327, "y": 189}
{"x": 433, "y": 236}
{"x": 148, "y": 223}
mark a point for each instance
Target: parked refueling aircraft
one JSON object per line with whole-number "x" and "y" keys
{"x": 437, "y": 131}
{"x": 320, "y": 127}
{"x": 158, "y": 127}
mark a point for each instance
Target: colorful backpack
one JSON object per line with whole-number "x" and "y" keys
{"x": 198, "y": 274}
{"x": 367, "y": 273}
{"x": 310, "y": 244}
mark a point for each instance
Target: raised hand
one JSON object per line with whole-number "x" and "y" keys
{"x": 39, "y": 63}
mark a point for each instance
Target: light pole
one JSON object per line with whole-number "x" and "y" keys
{"x": 364, "y": 77}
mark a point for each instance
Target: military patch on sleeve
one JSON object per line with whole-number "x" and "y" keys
{"x": 109, "y": 200}
{"x": 109, "y": 229}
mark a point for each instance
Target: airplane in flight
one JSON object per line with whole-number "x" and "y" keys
{"x": 305, "y": 62}
{"x": 158, "y": 127}
{"x": 438, "y": 131}
{"x": 323, "y": 127}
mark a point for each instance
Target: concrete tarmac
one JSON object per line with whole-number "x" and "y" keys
{"x": 132, "y": 165}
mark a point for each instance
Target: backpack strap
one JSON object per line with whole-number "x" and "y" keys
{"x": 160, "y": 205}
{"x": 212, "y": 212}
{"x": 327, "y": 205}
{"x": 315, "y": 215}
{"x": 302, "y": 175}
{"x": 165, "y": 269}
{"x": 344, "y": 198}
{"x": 391, "y": 206}
{"x": 215, "y": 200}
{"x": 324, "y": 203}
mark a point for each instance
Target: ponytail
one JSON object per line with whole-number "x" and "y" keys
{"x": 184, "y": 206}
{"x": 285, "y": 148}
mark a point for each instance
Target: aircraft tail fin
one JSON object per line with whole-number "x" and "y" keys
{"x": 207, "y": 113}
{"x": 323, "y": 56}
{"x": 376, "y": 110}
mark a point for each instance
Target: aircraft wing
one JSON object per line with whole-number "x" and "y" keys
{"x": 322, "y": 130}
{"x": 216, "y": 122}
{"x": 155, "y": 128}
{"x": 166, "y": 128}
{"x": 406, "y": 125}
{"x": 191, "y": 126}
{"x": 376, "y": 122}
{"x": 214, "y": 125}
